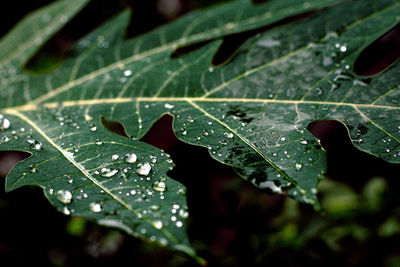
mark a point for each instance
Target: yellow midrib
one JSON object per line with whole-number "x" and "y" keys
{"x": 32, "y": 107}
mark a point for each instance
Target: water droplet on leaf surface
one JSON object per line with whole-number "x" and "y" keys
{"x": 130, "y": 158}
{"x": 143, "y": 169}
{"x": 64, "y": 196}
{"x": 95, "y": 207}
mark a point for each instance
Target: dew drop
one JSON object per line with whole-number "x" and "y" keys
{"x": 298, "y": 166}
{"x": 168, "y": 106}
{"x": 32, "y": 169}
{"x": 114, "y": 157}
{"x": 66, "y": 211}
{"x": 4, "y": 123}
{"x": 127, "y": 73}
{"x": 143, "y": 168}
{"x": 64, "y": 196}
{"x": 304, "y": 142}
{"x": 108, "y": 172}
{"x": 95, "y": 207}
{"x": 133, "y": 192}
{"x": 229, "y": 135}
{"x": 160, "y": 186}
{"x": 179, "y": 224}
{"x": 158, "y": 224}
{"x": 130, "y": 158}
{"x": 92, "y": 128}
{"x": 36, "y": 145}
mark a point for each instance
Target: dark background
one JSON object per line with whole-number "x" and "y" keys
{"x": 232, "y": 223}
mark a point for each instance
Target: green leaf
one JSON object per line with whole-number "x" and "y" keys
{"x": 251, "y": 113}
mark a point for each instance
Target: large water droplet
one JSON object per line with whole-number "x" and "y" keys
{"x": 130, "y": 158}
{"x": 143, "y": 168}
{"x": 64, "y": 196}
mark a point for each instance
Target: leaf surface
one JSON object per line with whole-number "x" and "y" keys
{"x": 252, "y": 113}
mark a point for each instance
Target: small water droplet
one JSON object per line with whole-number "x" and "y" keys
{"x": 32, "y": 169}
{"x": 95, "y": 207}
{"x": 158, "y": 224}
{"x": 304, "y": 142}
{"x": 298, "y": 166}
{"x": 127, "y": 73}
{"x": 66, "y": 211}
{"x": 108, "y": 172}
{"x": 179, "y": 224}
{"x": 64, "y": 196}
{"x": 168, "y": 106}
{"x": 160, "y": 186}
{"x": 98, "y": 142}
{"x": 4, "y": 123}
{"x": 133, "y": 192}
{"x": 92, "y": 128}
{"x": 229, "y": 135}
{"x": 143, "y": 168}
{"x": 114, "y": 157}
{"x": 130, "y": 158}
{"x": 283, "y": 139}
{"x": 36, "y": 145}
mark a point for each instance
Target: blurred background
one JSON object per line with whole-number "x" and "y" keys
{"x": 232, "y": 223}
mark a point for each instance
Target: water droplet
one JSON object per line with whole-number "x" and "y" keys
{"x": 298, "y": 166}
{"x": 98, "y": 142}
{"x": 158, "y": 224}
{"x": 283, "y": 139}
{"x": 108, "y": 172}
{"x": 4, "y": 123}
{"x": 114, "y": 157}
{"x": 127, "y": 73}
{"x": 66, "y": 211}
{"x": 168, "y": 106}
{"x": 184, "y": 132}
{"x": 304, "y": 142}
{"x": 179, "y": 224}
{"x": 229, "y": 135}
{"x": 36, "y": 145}
{"x": 155, "y": 207}
{"x": 160, "y": 186}
{"x": 92, "y": 128}
{"x": 343, "y": 48}
{"x": 271, "y": 186}
{"x": 182, "y": 191}
{"x": 143, "y": 168}
{"x": 32, "y": 169}
{"x": 184, "y": 214}
{"x": 64, "y": 196}
{"x": 130, "y": 158}
{"x": 95, "y": 207}
{"x": 314, "y": 190}
{"x": 210, "y": 69}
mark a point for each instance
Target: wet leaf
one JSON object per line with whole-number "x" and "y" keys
{"x": 251, "y": 113}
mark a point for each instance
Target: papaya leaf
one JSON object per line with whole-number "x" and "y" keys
{"x": 251, "y": 113}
